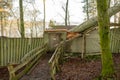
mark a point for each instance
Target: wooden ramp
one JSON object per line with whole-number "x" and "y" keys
{"x": 40, "y": 71}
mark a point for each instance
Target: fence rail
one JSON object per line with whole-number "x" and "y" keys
{"x": 27, "y": 63}
{"x": 56, "y": 59}
{"x": 12, "y": 50}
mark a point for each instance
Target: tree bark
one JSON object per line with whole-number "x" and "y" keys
{"x": 66, "y": 13}
{"x": 93, "y": 22}
{"x": 104, "y": 29}
{"x": 22, "y": 30}
{"x": 2, "y": 29}
{"x": 87, "y": 11}
{"x": 44, "y": 6}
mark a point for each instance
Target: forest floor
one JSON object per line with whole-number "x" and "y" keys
{"x": 4, "y": 75}
{"x": 87, "y": 69}
{"x": 71, "y": 69}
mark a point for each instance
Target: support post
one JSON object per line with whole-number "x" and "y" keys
{"x": 83, "y": 46}
{"x": 12, "y": 74}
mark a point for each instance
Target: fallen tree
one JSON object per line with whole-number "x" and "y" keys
{"x": 93, "y": 22}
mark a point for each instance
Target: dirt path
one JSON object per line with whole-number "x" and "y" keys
{"x": 40, "y": 72}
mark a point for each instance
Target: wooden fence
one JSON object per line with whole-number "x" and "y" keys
{"x": 115, "y": 40}
{"x": 27, "y": 63}
{"x": 12, "y": 50}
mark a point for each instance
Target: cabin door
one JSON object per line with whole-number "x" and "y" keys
{"x": 54, "y": 40}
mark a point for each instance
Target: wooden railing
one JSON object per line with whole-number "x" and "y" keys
{"x": 56, "y": 59}
{"x": 27, "y": 62}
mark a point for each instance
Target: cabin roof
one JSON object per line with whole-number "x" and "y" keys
{"x": 56, "y": 30}
{"x": 63, "y": 27}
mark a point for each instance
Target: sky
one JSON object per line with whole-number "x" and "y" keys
{"x": 55, "y": 12}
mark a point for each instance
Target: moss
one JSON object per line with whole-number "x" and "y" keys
{"x": 103, "y": 22}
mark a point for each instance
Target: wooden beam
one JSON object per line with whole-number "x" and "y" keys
{"x": 114, "y": 24}
{"x": 83, "y": 46}
{"x": 89, "y": 30}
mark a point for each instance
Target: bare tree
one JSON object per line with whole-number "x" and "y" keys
{"x": 44, "y": 14}
{"x": 1, "y": 21}
{"x": 3, "y": 14}
{"x": 22, "y": 30}
{"x": 66, "y": 13}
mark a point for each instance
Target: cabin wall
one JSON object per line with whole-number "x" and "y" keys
{"x": 54, "y": 38}
{"x": 74, "y": 45}
{"x": 93, "y": 43}
{"x": 115, "y": 40}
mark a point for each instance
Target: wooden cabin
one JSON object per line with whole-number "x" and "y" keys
{"x": 53, "y": 36}
{"x": 90, "y": 43}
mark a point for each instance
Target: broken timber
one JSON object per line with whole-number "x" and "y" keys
{"x": 93, "y": 22}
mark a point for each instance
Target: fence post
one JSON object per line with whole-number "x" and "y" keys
{"x": 11, "y": 74}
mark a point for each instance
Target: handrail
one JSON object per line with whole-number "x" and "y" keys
{"x": 73, "y": 38}
{"x": 55, "y": 60}
{"x": 56, "y": 57}
{"x": 26, "y": 64}
{"x": 51, "y": 59}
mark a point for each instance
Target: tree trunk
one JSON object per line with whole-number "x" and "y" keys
{"x": 119, "y": 19}
{"x": 87, "y": 11}
{"x": 2, "y": 29}
{"x": 104, "y": 29}
{"x": 66, "y": 13}
{"x": 109, "y": 1}
{"x": 44, "y": 16}
{"x": 22, "y": 32}
{"x": 93, "y": 21}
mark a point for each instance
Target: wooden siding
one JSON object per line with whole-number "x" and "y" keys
{"x": 115, "y": 40}
{"x": 92, "y": 43}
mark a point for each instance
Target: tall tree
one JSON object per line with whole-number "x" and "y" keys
{"x": 44, "y": 6}
{"x": 4, "y": 5}
{"x": 104, "y": 28}
{"x": 66, "y": 13}
{"x": 1, "y": 21}
{"x": 22, "y": 30}
{"x": 87, "y": 12}
{"x": 89, "y": 8}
